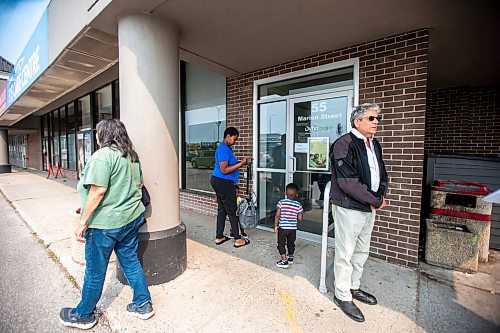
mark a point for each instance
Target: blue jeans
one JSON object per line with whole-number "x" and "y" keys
{"x": 99, "y": 244}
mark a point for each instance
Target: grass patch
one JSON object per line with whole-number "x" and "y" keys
{"x": 53, "y": 256}
{"x": 72, "y": 280}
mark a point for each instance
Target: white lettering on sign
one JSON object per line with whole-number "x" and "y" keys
{"x": 304, "y": 118}
{"x": 317, "y": 128}
{"x": 322, "y": 116}
{"x": 318, "y": 107}
{"x": 27, "y": 70}
{"x": 331, "y": 116}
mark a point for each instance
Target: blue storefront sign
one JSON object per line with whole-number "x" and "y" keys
{"x": 32, "y": 62}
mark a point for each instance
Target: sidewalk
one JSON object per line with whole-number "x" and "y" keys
{"x": 225, "y": 289}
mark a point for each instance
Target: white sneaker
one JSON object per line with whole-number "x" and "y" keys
{"x": 282, "y": 264}
{"x": 144, "y": 312}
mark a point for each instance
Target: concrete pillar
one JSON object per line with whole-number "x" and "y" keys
{"x": 149, "y": 108}
{"x": 4, "y": 152}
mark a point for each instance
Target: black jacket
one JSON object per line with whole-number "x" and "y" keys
{"x": 351, "y": 180}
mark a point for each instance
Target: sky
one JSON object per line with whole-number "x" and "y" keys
{"x": 18, "y": 19}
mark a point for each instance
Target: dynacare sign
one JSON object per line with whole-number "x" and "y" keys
{"x": 33, "y": 61}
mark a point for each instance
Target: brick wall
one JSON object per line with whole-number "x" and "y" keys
{"x": 463, "y": 121}
{"x": 393, "y": 73}
{"x": 200, "y": 203}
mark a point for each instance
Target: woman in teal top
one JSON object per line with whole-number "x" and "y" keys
{"x": 225, "y": 175}
{"x": 110, "y": 194}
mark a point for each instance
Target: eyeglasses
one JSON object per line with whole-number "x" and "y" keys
{"x": 372, "y": 118}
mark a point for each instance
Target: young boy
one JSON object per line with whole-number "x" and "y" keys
{"x": 239, "y": 200}
{"x": 285, "y": 224}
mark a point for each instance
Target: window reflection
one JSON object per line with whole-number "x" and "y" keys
{"x": 62, "y": 138}
{"x": 84, "y": 113}
{"x": 320, "y": 81}
{"x": 71, "y": 137}
{"x": 272, "y": 138}
{"x": 104, "y": 104}
{"x": 205, "y": 122}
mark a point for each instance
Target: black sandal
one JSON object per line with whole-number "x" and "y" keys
{"x": 222, "y": 241}
{"x": 247, "y": 241}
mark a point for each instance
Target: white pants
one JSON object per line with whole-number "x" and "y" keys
{"x": 353, "y": 230}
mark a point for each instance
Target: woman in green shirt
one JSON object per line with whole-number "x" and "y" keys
{"x": 110, "y": 194}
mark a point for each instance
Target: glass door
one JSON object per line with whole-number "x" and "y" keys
{"x": 315, "y": 122}
{"x": 294, "y": 137}
{"x": 271, "y": 164}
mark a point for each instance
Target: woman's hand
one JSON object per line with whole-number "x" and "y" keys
{"x": 246, "y": 160}
{"x": 80, "y": 232}
{"x": 94, "y": 198}
{"x": 225, "y": 168}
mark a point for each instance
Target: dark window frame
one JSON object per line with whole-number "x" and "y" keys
{"x": 183, "y": 101}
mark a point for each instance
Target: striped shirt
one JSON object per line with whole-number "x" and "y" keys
{"x": 290, "y": 209}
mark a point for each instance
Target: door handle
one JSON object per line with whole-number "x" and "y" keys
{"x": 294, "y": 164}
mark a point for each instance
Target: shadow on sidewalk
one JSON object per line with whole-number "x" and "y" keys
{"x": 428, "y": 302}
{"x": 453, "y": 301}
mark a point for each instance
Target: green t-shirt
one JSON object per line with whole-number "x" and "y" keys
{"x": 122, "y": 178}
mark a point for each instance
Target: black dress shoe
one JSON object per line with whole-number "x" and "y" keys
{"x": 363, "y": 296}
{"x": 350, "y": 309}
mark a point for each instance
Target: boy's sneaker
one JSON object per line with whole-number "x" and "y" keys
{"x": 143, "y": 312}
{"x": 68, "y": 318}
{"x": 290, "y": 259}
{"x": 282, "y": 264}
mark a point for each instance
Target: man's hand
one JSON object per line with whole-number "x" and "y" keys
{"x": 276, "y": 229}
{"x": 384, "y": 203}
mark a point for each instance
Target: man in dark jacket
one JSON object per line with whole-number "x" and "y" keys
{"x": 358, "y": 188}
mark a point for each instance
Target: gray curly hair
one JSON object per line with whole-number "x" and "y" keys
{"x": 360, "y": 110}
{"x": 112, "y": 133}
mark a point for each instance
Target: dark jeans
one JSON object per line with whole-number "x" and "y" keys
{"x": 99, "y": 244}
{"x": 226, "y": 206}
{"x": 286, "y": 237}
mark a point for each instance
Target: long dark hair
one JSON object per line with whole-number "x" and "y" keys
{"x": 112, "y": 133}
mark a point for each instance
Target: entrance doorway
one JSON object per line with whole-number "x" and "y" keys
{"x": 294, "y": 137}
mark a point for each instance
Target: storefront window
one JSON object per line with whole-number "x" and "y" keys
{"x": 68, "y": 133}
{"x": 104, "y": 103}
{"x": 45, "y": 140}
{"x": 17, "y": 150}
{"x": 63, "y": 138}
{"x": 337, "y": 78}
{"x": 84, "y": 121}
{"x": 71, "y": 136}
{"x": 55, "y": 138}
{"x": 204, "y": 125}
